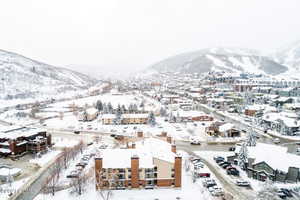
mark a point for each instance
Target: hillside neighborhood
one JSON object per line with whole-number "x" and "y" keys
{"x": 218, "y": 132}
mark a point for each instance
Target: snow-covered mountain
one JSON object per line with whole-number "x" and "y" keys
{"x": 289, "y": 55}
{"x": 22, "y": 77}
{"x": 225, "y": 59}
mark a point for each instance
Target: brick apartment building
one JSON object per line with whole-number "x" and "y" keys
{"x": 148, "y": 163}
{"x": 141, "y": 118}
{"x": 16, "y": 140}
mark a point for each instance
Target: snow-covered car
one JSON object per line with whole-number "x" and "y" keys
{"x": 217, "y": 192}
{"x": 209, "y": 183}
{"x": 195, "y": 142}
{"x": 242, "y": 183}
{"x": 73, "y": 174}
{"x": 276, "y": 140}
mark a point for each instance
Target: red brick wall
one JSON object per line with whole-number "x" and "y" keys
{"x": 164, "y": 182}
{"x": 98, "y": 168}
{"x": 135, "y": 172}
{"x": 177, "y": 171}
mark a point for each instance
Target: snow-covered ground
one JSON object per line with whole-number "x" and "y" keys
{"x": 45, "y": 158}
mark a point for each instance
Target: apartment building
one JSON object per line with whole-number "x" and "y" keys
{"x": 149, "y": 163}
{"x": 16, "y": 140}
{"x": 141, "y": 118}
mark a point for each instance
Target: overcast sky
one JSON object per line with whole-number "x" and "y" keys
{"x": 125, "y": 35}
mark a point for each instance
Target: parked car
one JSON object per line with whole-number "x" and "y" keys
{"x": 219, "y": 159}
{"x": 73, "y": 174}
{"x": 281, "y": 195}
{"x": 209, "y": 183}
{"x": 203, "y": 174}
{"x": 242, "y": 183}
{"x": 216, "y": 191}
{"x": 286, "y": 192}
{"x": 76, "y": 132}
{"x": 231, "y": 149}
{"x": 195, "y": 142}
{"x": 233, "y": 171}
{"x": 224, "y": 166}
{"x": 195, "y": 160}
{"x": 221, "y": 164}
{"x": 276, "y": 140}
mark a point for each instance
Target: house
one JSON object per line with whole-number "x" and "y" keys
{"x": 228, "y": 130}
{"x": 191, "y": 116}
{"x": 92, "y": 114}
{"x": 286, "y": 123}
{"x": 267, "y": 161}
{"x": 281, "y": 101}
{"x": 151, "y": 163}
{"x": 89, "y": 114}
{"x": 251, "y": 110}
{"x": 222, "y": 129}
{"x": 16, "y": 140}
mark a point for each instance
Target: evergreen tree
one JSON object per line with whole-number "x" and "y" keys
{"x": 243, "y": 156}
{"x": 251, "y": 139}
{"x": 162, "y": 112}
{"x": 130, "y": 108}
{"x": 84, "y": 115}
{"x": 135, "y": 108}
{"x": 123, "y": 108}
{"x": 178, "y": 118}
{"x": 118, "y": 115}
{"x": 151, "y": 119}
{"x": 110, "y": 108}
{"x": 99, "y": 105}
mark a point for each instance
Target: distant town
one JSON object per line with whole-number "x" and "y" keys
{"x": 216, "y": 135}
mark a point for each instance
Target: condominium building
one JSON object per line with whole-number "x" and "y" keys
{"x": 149, "y": 163}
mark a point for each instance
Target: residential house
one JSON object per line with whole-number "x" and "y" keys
{"x": 266, "y": 161}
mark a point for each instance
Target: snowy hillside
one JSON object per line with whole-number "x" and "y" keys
{"x": 22, "y": 77}
{"x": 227, "y": 59}
{"x": 289, "y": 55}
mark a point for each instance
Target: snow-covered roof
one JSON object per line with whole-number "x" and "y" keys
{"x": 226, "y": 127}
{"x": 140, "y": 115}
{"x": 91, "y": 111}
{"x": 145, "y": 150}
{"x": 274, "y": 155}
{"x": 121, "y": 158}
{"x": 108, "y": 116}
{"x": 22, "y": 132}
{"x": 158, "y": 148}
{"x": 288, "y": 121}
{"x": 191, "y": 113}
{"x": 256, "y": 107}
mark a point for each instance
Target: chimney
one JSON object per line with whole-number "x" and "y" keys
{"x": 164, "y": 134}
{"x": 140, "y": 134}
{"x": 98, "y": 169}
{"x": 12, "y": 146}
{"x": 173, "y": 148}
{"x": 135, "y": 171}
{"x": 177, "y": 171}
{"x": 169, "y": 139}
